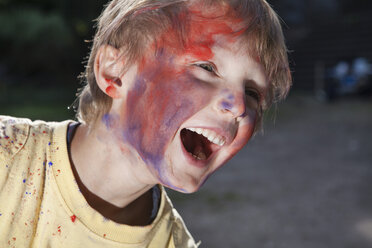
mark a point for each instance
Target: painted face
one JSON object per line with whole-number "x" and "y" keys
{"x": 190, "y": 110}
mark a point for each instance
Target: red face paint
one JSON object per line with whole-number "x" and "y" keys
{"x": 165, "y": 94}
{"x": 163, "y": 97}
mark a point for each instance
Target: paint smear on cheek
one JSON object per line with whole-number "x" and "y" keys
{"x": 164, "y": 95}
{"x": 160, "y": 101}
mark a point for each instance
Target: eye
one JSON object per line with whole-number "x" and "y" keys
{"x": 207, "y": 66}
{"x": 253, "y": 93}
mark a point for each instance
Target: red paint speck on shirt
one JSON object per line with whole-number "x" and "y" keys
{"x": 73, "y": 218}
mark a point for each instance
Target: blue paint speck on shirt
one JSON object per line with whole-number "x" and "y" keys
{"x": 50, "y": 164}
{"x": 24, "y": 180}
{"x": 49, "y": 144}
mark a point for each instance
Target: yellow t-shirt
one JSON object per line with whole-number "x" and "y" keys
{"x": 41, "y": 205}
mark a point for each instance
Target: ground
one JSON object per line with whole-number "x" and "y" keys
{"x": 306, "y": 182}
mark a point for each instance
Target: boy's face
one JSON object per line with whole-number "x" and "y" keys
{"x": 190, "y": 108}
{"x": 186, "y": 116}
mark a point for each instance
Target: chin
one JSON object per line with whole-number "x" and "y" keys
{"x": 179, "y": 177}
{"x": 196, "y": 152}
{"x": 188, "y": 187}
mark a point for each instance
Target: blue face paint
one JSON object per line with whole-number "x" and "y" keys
{"x": 226, "y": 105}
{"x": 162, "y": 97}
{"x": 110, "y": 120}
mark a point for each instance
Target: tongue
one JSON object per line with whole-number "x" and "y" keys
{"x": 199, "y": 152}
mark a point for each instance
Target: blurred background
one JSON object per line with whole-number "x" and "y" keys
{"x": 305, "y": 182}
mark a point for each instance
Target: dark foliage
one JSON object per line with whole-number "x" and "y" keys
{"x": 45, "y": 38}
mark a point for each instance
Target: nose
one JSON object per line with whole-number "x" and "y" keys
{"x": 233, "y": 104}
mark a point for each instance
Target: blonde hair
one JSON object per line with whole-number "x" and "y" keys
{"x": 131, "y": 25}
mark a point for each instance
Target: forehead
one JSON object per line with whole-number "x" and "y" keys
{"x": 195, "y": 29}
{"x": 200, "y": 31}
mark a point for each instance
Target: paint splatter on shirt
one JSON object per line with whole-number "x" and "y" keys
{"x": 40, "y": 203}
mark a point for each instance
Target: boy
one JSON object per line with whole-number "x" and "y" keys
{"x": 174, "y": 90}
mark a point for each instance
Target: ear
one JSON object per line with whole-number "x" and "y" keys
{"x": 107, "y": 69}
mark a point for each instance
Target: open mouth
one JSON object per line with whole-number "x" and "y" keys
{"x": 201, "y": 143}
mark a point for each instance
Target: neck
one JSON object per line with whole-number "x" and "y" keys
{"x": 107, "y": 168}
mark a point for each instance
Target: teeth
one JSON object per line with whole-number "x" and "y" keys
{"x": 198, "y": 130}
{"x": 210, "y": 135}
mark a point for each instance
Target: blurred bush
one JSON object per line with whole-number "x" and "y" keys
{"x": 43, "y": 41}
{"x": 33, "y": 41}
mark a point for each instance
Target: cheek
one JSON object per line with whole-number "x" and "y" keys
{"x": 160, "y": 101}
{"x": 244, "y": 133}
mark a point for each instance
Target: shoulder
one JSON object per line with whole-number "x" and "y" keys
{"x": 15, "y": 132}
{"x": 13, "y": 135}
{"x": 180, "y": 234}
